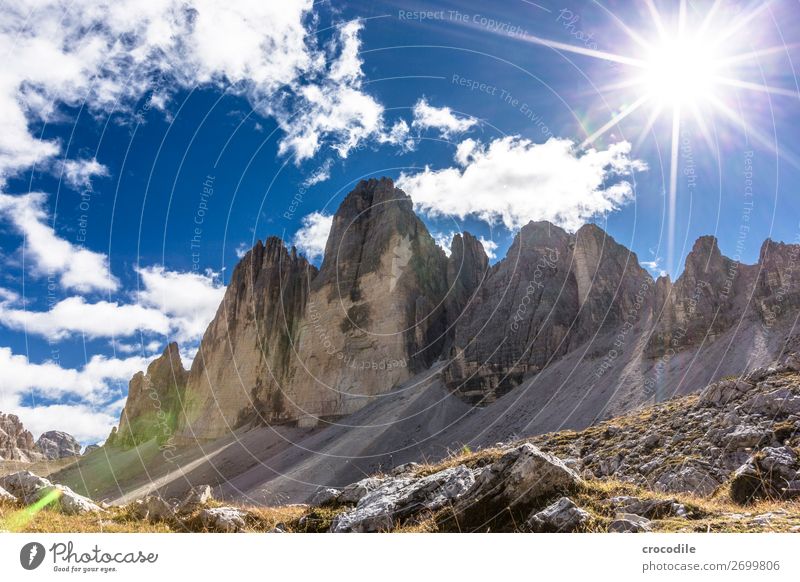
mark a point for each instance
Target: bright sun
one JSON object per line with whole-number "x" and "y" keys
{"x": 679, "y": 72}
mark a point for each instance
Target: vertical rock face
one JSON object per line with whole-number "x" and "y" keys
{"x": 154, "y": 401}
{"x": 613, "y": 289}
{"x": 56, "y": 444}
{"x": 777, "y": 290}
{"x": 707, "y": 299}
{"x": 16, "y": 443}
{"x": 519, "y": 317}
{"x": 243, "y": 364}
{"x": 552, "y": 292}
{"x": 293, "y": 344}
{"x": 375, "y": 313}
{"x": 466, "y": 269}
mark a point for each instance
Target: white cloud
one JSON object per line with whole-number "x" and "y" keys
{"x": 109, "y": 54}
{"x": 444, "y": 240}
{"x": 322, "y": 173}
{"x": 399, "y": 135}
{"x": 334, "y": 106}
{"x": 241, "y": 249}
{"x": 170, "y": 303}
{"x": 18, "y": 376}
{"x": 79, "y": 173}
{"x": 188, "y": 300}
{"x": 427, "y": 116}
{"x": 514, "y": 180}
{"x": 311, "y": 238}
{"x": 489, "y": 247}
{"x": 77, "y": 268}
{"x": 74, "y": 315}
{"x": 87, "y": 424}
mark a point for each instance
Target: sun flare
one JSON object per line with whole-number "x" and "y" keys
{"x": 680, "y": 72}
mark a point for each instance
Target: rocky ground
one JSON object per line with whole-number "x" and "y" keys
{"x": 725, "y": 459}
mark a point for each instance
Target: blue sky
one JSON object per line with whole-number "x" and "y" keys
{"x": 143, "y": 148}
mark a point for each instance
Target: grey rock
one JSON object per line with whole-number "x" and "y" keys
{"x": 153, "y": 508}
{"x": 69, "y": 502}
{"x": 561, "y": 516}
{"x": 744, "y": 437}
{"x": 223, "y": 519}
{"x": 401, "y": 498}
{"x": 25, "y": 486}
{"x": 724, "y": 391}
{"x": 519, "y": 477}
{"x": 355, "y": 491}
{"x": 90, "y": 449}
{"x": 774, "y": 403}
{"x": 325, "y": 496}
{"x": 630, "y": 523}
{"x": 6, "y": 497}
{"x": 197, "y": 496}
{"x": 690, "y": 478}
{"x": 649, "y": 508}
{"x": 405, "y": 468}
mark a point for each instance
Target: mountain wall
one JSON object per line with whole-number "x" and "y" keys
{"x": 294, "y": 345}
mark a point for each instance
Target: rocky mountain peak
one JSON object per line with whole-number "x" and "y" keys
{"x": 16, "y": 443}
{"x": 154, "y": 400}
{"x": 56, "y": 444}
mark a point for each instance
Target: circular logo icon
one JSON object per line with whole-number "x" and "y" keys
{"x": 31, "y": 555}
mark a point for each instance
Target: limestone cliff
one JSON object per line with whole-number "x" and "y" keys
{"x": 375, "y": 313}
{"x": 244, "y": 361}
{"x": 708, "y": 298}
{"x": 552, "y": 292}
{"x": 293, "y": 344}
{"x": 154, "y": 401}
{"x": 16, "y": 443}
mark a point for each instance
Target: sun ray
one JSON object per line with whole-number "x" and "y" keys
{"x": 709, "y": 17}
{"x": 673, "y": 186}
{"x": 654, "y": 115}
{"x": 598, "y": 54}
{"x": 735, "y": 59}
{"x": 741, "y": 23}
{"x": 615, "y": 120}
{"x": 656, "y": 16}
{"x": 756, "y": 87}
{"x": 756, "y": 135}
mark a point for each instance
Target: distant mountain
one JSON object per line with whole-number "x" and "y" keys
{"x": 17, "y": 444}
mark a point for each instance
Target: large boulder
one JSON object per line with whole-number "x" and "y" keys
{"x": 780, "y": 402}
{"x": 400, "y": 498}
{"x": 30, "y": 488}
{"x": 25, "y": 486}
{"x": 56, "y": 444}
{"x": 516, "y": 481}
{"x": 563, "y": 516}
{"x": 724, "y": 391}
{"x": 325, "y": 496}
{"x": 69, "y": 502}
